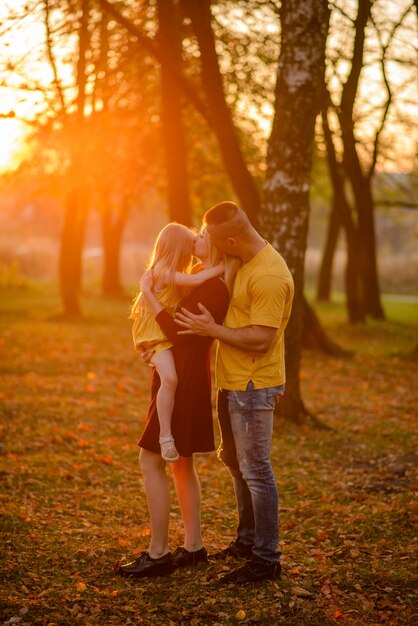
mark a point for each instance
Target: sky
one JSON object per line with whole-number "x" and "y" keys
{"x": 23, "y": 42}
{"x": 18, "y": 43}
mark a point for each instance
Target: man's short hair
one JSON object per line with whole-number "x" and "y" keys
{"x": 228, "y": 220}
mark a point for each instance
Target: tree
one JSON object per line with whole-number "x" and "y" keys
{"x": 360, "y": 182}
{"x": 361, "y": 148}
{"x": 173, "y": 131}
{"x": 112, "y": 151}
{"x": 341, "y": 214}
{"x": 220, "y": 116}
{"x": 285, "y": 213}
{"x": 72, "y": 239}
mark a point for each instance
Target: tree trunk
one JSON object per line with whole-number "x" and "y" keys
{"x": 371, "y": 290}
{"x": 113, "y": 224}
{"x": 72, "y": 237}
{"x": 71, "y": 250}
{"x": 221, "y": 119}
{"x": 173, "y": 133}
{"x": 285, "y": 213}
{"x": 353, "y": 272}
{"x": 111, "y": 188}
{"x": 325, "y": 271}
{"x": 366, "y": 239}
{"x": 360, "y": 182}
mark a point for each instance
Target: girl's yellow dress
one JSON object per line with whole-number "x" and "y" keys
{"x": 146, "y": 332}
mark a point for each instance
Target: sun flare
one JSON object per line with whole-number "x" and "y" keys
{"x": 12, "y": 143}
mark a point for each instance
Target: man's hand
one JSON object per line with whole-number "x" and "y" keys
{"x": 203, "y": 325}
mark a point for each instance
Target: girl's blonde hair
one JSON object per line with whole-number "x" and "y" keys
{"x": 172, "y": 252}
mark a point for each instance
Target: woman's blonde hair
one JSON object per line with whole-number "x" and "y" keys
{"x": 172, "y": 252}
{"x": 232, "y": 263}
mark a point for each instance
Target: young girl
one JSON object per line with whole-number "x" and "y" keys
{"x": 170, "y": 262}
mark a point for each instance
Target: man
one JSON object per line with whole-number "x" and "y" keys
{"x": 250, "y": 373}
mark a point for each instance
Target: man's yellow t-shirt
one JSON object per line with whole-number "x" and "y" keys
{"x": 262, "y": 295}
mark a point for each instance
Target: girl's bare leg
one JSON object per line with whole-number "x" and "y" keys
{"x": 165, "y": 366}
{"x": 157, "y": 491}
{"x": 187, "y": 486}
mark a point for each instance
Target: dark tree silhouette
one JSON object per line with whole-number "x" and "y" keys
{"x": 173, "y": 131}
{"x": 76, "y": 206}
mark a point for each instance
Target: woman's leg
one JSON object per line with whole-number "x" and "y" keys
{"x": 165, "y": 366}
{"x": 187, "y": 486}
{"x": 157, "y": 491}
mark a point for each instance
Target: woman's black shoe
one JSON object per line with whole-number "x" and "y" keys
{"x": 145, "y": 566}
{"x": 184, "y": 558}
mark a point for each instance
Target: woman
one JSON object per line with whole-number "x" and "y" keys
{"x": 170, "y": 261}
{"x": 192, "y": 424}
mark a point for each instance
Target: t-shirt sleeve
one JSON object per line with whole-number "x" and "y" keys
{"x": 213, "y": 294}
{"x": 269, "y": 295}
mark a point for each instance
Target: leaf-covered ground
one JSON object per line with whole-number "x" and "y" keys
{"x": 73, "y": 399}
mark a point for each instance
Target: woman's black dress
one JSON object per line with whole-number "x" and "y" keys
{"x": 192, "y": 421}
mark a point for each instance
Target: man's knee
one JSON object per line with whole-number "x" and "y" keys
{"x": 257, "y": 471}
{"x": 229, "y": 459}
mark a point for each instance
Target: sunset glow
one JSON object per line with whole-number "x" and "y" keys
{"x": 30, "y": 88}
{"x": 12, "y": 144}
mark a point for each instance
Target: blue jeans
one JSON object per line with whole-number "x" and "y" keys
{"x": 246, "y": 422}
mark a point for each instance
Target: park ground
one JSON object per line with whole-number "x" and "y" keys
{"x": 73, "y": 399}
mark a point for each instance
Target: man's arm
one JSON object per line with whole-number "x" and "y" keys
{"x": 253, "y": 338}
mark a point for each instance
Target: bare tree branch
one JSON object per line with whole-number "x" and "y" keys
{"x": 351, "y": 85}
{"x": 51, "y": 57}
{"x": 335, "y": 7}
{"x": 155, "y": 51}
{"x": 397, "y": 204}
{"x": 388, "y": 103}
{"x": 274, "y": 6}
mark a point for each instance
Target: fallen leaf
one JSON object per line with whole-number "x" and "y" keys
{"x": 300, "y": 592}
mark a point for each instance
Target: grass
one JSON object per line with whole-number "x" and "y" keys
{"x": 73, "y": 400}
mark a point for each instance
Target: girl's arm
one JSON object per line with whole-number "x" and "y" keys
{"x": 180, "y": 279}
{"x": 146, "y": 290}
{"x": 194, "y": 280}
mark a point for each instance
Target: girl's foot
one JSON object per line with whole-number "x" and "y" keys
{"x": 168, "y": 449}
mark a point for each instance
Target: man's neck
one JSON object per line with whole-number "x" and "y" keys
{"x": 252, "y": 247}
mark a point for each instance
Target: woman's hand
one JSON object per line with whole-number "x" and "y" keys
{"x": 147, "y": 281}
{"x": 147, "y": 355}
